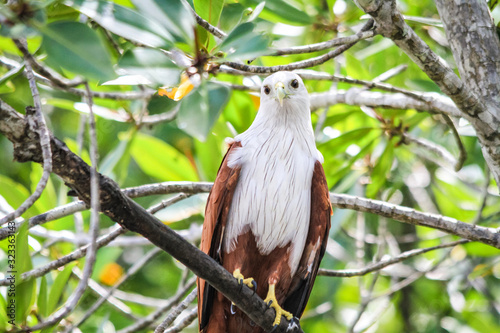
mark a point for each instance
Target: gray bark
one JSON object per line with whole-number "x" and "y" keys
{"x": 478, "y": 61}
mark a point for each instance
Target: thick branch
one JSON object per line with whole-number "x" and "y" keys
{"x": 435, "y": 103}
{"x": 449, "y": 225}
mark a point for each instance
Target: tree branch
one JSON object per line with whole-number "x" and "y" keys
{"x": 355, "y": 96}
{"x": 299, "y": 64}
{"x": 449, "y": 225}
{"x": 386, "y": 262}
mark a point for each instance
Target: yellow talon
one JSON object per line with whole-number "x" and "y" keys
{"x": 241, "y": 279}
{"x": 273, "y": 303}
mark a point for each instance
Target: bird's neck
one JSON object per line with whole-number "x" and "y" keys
{"x": 289, "y": 120}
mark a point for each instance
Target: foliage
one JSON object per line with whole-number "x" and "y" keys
{"x": 141, "y": 46}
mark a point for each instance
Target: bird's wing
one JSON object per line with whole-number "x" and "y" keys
{"x": 216, "y": 213}
{"x": 314, "y": 249}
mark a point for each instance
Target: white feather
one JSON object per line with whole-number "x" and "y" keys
{"x": 277, "y": 158}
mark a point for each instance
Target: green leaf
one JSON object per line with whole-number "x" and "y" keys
{"x": 481, "y": 250}
{"x": 115, "y": 164}
{"x": 209, "y": 10}
{"x": 174, "y": 15}
{"x": 4, "y": 319}
{"x": 48, "y": 199}
{"x": 152, "y": 64}
{"x": 78, "y": 49}
{"x": 282, "y": 11}
{"x": 15, "y": 194}
{"x": 124, "y": 22}
{"x": 160, "y": 160}
{"x": 41, "y": 302}
{"x": 382, "y": 167}
{"x": 340, "y": 143}
{"x": 243, "y": 42}
{"x": 58, "y": 286}
{"x": 23, "y": 294}
{"x": 201, "y": 109}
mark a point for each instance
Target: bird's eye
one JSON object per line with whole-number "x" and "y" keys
{"x": 267, "y": 90}
{"x": 295, "y": 83}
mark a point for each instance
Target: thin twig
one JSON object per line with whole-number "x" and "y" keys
{"x": 185, "y": 322}
{"x": 462, "y": 156}
{"x": 174, "y": 314}
{"x": 484, "y": 196}
{"x": 325, "y": 45}
{"x": 386, "y": 262}
{"x": 207, "y": 26}
{"x": 432, "y": 147}
{"x": 131, "y": 271}
{"x": 75, "y": 297}
{"x": 101, "y": 291}
{"x": 159, "y": 312}
{"x": 44, "y": 137}
{"x": 299, "y": 64}
{"x": 50, "y": 74}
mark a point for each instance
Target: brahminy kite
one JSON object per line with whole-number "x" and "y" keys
{"x": 268, "y": 214}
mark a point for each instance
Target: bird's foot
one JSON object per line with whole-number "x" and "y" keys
{"x": 272, "y": 302}
{"x": 250, "y": 282}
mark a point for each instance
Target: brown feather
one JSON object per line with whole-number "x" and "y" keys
{"x": 314, "y": 249}
{"x": 219, "y": 201}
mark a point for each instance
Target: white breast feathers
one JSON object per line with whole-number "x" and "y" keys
{"x": 273, "y": 195}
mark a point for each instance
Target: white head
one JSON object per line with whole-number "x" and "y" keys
{"x": 284, "y": 91}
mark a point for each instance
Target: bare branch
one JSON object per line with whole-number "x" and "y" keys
{"x": 131, "y": 271}
{"x": 158, "y": 312}
{"x": 207, "y": 26}
{"x": 359, "y": 97}
{"x": 192, "y": 315}
{"x": 326, "y": 45}
{"x": 100, "y": 291}
{"x": 299, "y": 64}
{"x": 462, "y": 152}
{"x": 75, "y": 297}
{"x": 174, "y": 314}
{"x": 386, "y": 262}
{"x": 40, "y": 127}
{"x": 50, "y": 74}
{"x": 449, "y": 225}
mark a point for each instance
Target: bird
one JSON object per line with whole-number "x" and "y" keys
{"x": 268, "y": 213}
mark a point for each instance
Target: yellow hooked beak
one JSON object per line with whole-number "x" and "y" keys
{"x": 280, "y": 92}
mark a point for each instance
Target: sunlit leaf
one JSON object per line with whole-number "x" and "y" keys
{"x": 175, "y": 16}
{"x": 41, "y": 302}
{"x": 79, "y": 49}
{"x": 243, "y": 43}
{"x": 151, "y": 64}
{"x": 200, "y": 110}
{"x": 209, "y": 10}
{"x": 124, "y": 22}
{"x": 380, "y": 171}
{"x": 23, "y": 294}
{"x": 282, "y": 11}
{"x": 58, "y": 287}
{"x": 160, "y": 160}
